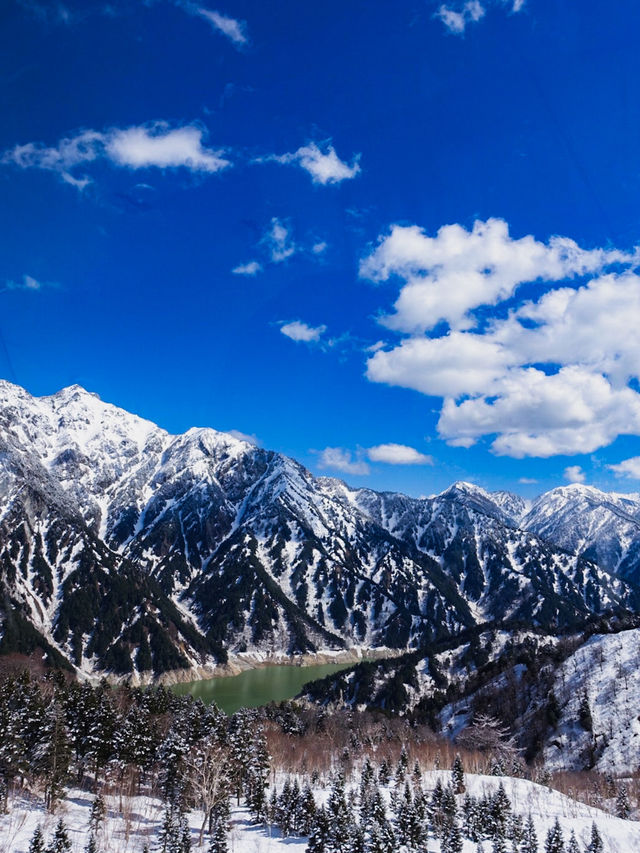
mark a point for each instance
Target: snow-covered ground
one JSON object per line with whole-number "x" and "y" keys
{"x": 606, "y": 668}
{"x": 140, "y": 821}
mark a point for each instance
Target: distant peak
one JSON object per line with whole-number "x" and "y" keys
{"x": 466, "y": 488}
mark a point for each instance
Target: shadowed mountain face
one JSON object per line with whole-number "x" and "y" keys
{"x": 126, "y": 549}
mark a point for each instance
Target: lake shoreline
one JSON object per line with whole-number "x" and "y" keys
{"x": 245, "y": 661}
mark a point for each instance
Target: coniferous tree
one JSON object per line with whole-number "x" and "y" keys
{"x": 98, "y": 811}
{"x": 623, "y": 807}
{"x": 499, "y": 811}
{"x": 457, "y": 775}
{"x": 451, "y": 836}
{"x": 92, "y": 846}
{"x": 573, "y": 846}
{"x": 584, "y": 713}
{"x": 384, "y": 773}
{"x": 218, "y": 839}
{"x": 554, "y": 842}
{"x": 530, "y": 840}
{"x": 339, "y": 817}
{"x": 307, "y": 810}
{"x": 319, "y": 836}
{"x": 36, "y": 845}
{"x": 515, "y": 831}
{"x": 60, "y": 842}
{"x": 53, "y": 754}
{"x": 403, "y": 764}
{"x": 596, "y": 844}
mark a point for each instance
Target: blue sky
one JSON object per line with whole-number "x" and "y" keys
{"x": 395, "y": 241}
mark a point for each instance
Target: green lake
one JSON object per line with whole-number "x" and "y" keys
{"x": 256, "y": 686}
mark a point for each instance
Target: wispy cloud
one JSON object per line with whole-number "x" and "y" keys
{"x": 251, "y": 268}
{"x": 250, "y": 438}
{"x": 321, "y": 162}
{"x": 28, "y": 283}
{"x": 339, "y": 459}
{"x": 629, "y": 468}
{"x": 299, "y": 331}
{"x": 231, "y": 28}
{"x": 458, "y": 15}
{"x": 156, "y": 145}
{"x": 278, "y": 241}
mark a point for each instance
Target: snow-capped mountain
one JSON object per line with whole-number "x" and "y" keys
{"x": 129, "y": 549}
{"x": 603, "y": 527}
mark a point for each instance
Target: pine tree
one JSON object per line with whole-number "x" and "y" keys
{"x": 36, "y": 844}
{"x": 319, "y": 836}
{"x": 218, "y": 839}
{"x": 554, "y": 842}
{"x": 530, "y": 840}
{"x": 515, "y": 831}
{"x": 457, "y": 775}
{"x": 584, "y": 713}
{"x": 623, "y": 807}
{"x": 53, "y": 754}
{"x": 60, "y": 842}
{"x": 499, "y": 811}
{"x": 339, "y": 817}
{"x": 92, "y": 846}
{"x": 384, "y": 773}
{"x": 451, "y": 836}
{"x": 98, "y": 811}
{"x": 470, "y": 818}
{"x": 573, "y": 846}
{"x": 403, "y": 764}
{"x": 170, "y": 839}
{"x": 596, "y": 844}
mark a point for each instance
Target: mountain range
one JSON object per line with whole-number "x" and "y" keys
{"x": 128, "y": 551}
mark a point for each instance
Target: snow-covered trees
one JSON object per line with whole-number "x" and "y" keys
{"x": 623, "y": 807}
{"x": 554, "y": 842}
{"x": 457, "y": 775}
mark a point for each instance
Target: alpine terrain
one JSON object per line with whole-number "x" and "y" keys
{"x": 129, "y": 551}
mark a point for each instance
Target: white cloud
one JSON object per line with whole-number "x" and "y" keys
{"x": 398, "y": 454}
{"x": 574, "y": 474}
{"x": 527, "y": 481}
{"x": 299, "y": 331}
{"x": 319, "y": 248}
{"x": 250, "y": 268}
{"x": 457, "y": 16}
{"x": 547, "y": 376}
{"x": 234, "y": 30}
{"x": 163, "y": 147}
{"x": 342, "y": 460}
{"x": 456, "y": 20}
{"x": 627, "y": 468}
{"x": 322, "y": 163}
{"x": 278, "y": 241}
{"x": 28, "y": 283}
{"x": 250, "y": 438}
{"x": 156, "y": 145}
{"x": 448, "y": 276}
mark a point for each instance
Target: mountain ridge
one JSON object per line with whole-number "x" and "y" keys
{"x": 225, "y": 547}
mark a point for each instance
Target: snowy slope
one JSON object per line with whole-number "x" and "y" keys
{"x": 127, "y": 832}
{"x": 583, "y": 520}
{"x": 605, "y": 670}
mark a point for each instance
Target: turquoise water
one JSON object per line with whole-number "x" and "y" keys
{"x": 256, "y": 686}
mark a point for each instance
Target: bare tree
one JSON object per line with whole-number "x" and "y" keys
{"x": 207, "y": 774}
